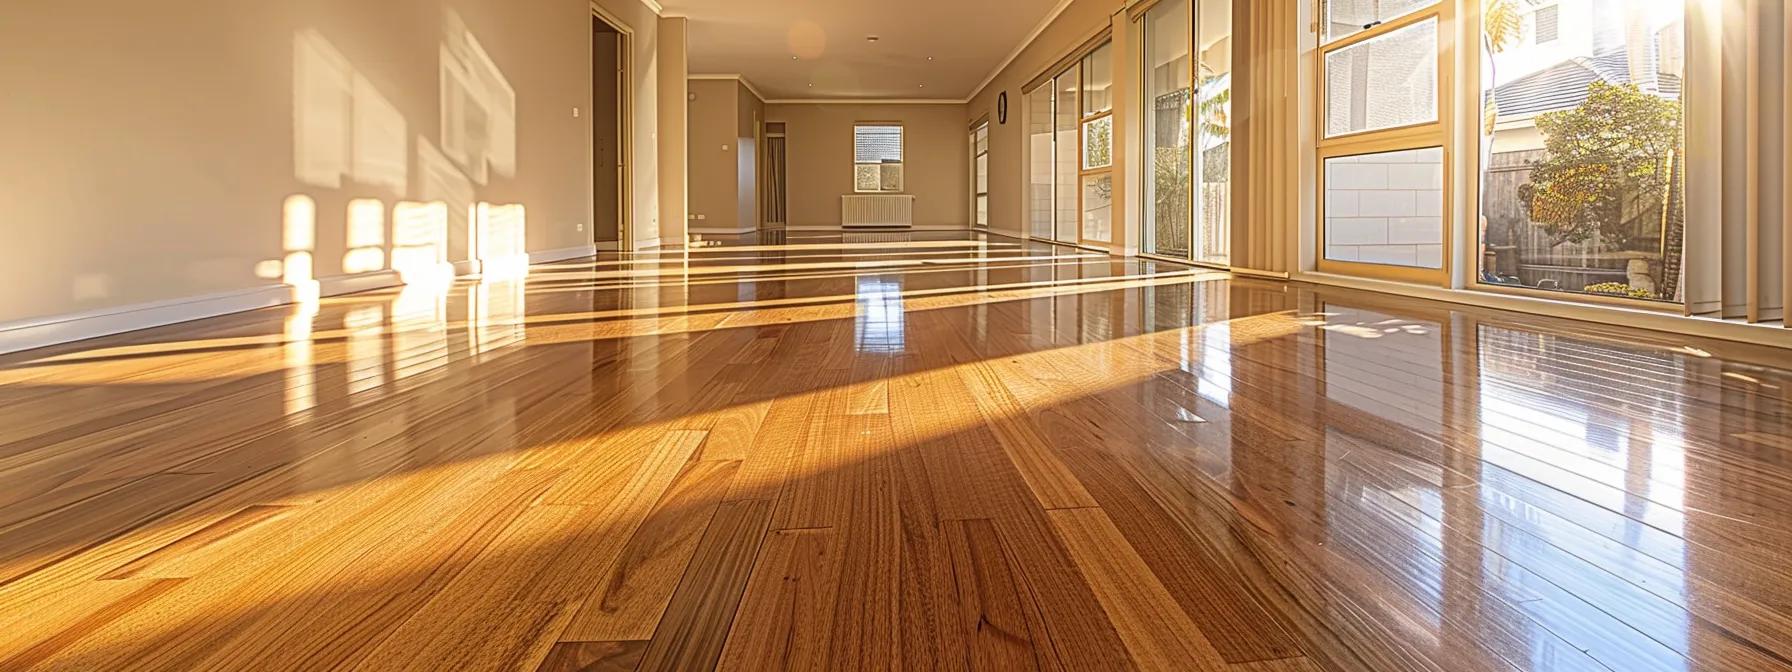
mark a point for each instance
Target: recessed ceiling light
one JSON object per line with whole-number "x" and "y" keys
{"x": 793, "y": 58}
{"x": 923, "y": 86}
{"x": 929, "y": 58}
{"x": 871, "y": 38}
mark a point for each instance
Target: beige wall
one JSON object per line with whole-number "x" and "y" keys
{"x": 1079, "y": 21}
{"x": 723, "y": 156}
{"x": 149, "y": 148}
{"x": 674, "y": 124}
{"x": 751, "y": 113}
{"x": 714, "y": 171}
{"x": 819, "y": 167}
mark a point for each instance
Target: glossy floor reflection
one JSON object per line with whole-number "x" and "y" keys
{"x": 899, "y": 452}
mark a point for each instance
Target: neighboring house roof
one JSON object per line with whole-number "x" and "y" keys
{"x": 1564, "y": 85}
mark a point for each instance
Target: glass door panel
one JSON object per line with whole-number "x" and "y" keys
{"x": 1168, "y": 204}
{"x": 1065, "y": 156}
{"x": 1040, "y": 181}
{"x": 1213, "y": 116}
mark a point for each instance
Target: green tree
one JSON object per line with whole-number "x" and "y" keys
{"x": 1501, "y": 23}
{"x": 1614, "y": 147}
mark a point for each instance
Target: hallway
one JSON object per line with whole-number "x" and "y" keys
{"x": 903, "y": 451}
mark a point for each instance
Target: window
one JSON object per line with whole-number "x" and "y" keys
{"x": 1562, "y": 208}
{"x": 1548, "y": 24}
{"x": 1070, "y": 145}
{"x": 1384, "y": 82}
{"x": 1386, "y": 208}
{"x": 877, "y": 158}
{"x": 1383, "y": 188}
{"x": 980, "y": 175}
{"x": 1097, "y": 163}
{"x": 1344, "y": 18}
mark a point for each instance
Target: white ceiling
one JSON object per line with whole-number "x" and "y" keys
{"x": 800, "y": 49}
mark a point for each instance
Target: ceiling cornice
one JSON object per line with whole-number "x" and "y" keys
{"x": 655, "y": 6}
{"x": 1037, "y": 31}
{"x": 736, "y": 77}
{"x": 866, "y": 101}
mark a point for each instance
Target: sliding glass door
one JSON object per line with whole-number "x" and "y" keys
{"x": 1098, "y": 145}
{"x": 1213, "y": 133}
{"x": 1169, "y": 132}
{"x": 980, "y": 175}
{"x": 1187, "y": 109}
{"x": 1064, "y": 149}
{"x": 1041, "y": 180}
{"x": 1070, "y": 139}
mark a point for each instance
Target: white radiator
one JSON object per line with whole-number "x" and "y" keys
{"x": 882, "y": 211}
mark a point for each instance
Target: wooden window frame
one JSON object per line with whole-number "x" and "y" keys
{"x": 1471, "y": 78}
{"x": 1437, "y": 133}
{"x": 1083, "y": 172}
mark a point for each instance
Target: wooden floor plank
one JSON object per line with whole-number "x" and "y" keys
{"x": 997, "y": 611}
{"x": 936, "y": 451}
{"x": 696, "y": 623}
{"x": 786, "y": 618}
{"x": 629, "y": 602}
{"x": 594, "y": 657}
{"x": 1160, "y": 635}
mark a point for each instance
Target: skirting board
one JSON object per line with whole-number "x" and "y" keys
{"x": 41, "y": 332}
{"x": 718, "y": 231}
{"x": 563, "y": 254}
{"x": 1672, "y": 323}
{"x": 361, "y": 282}
{"x": 917, "y": 227}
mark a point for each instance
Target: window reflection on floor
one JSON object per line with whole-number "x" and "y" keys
{"x": 879, "y": 326}
{"x": 1546, "y": 418}
{"x": 1382, "y": 374}
{"x": 1385, "y": 366}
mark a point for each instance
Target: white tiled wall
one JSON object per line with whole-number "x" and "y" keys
{"x": 1386, "y": 208}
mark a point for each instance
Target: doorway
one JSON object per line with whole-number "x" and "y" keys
{"x": 774, "y": 176}
{"x": 980, "y": 175}
{"x": 609, "y": 134}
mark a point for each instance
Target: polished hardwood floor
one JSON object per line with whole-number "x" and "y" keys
{"x": 893, "y": 452}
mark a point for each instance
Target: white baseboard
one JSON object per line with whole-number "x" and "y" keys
{"x": 646, "y": 243}
{"x": 41, "y": 332}
{"x": 1617, "y": 316}
{"x": 360, "y": 282}
{"x": 46, "y": 331}
{"x": 917, "y": 227}
{"x": 563, "y": 254}
{"x": 720, "y": 231}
